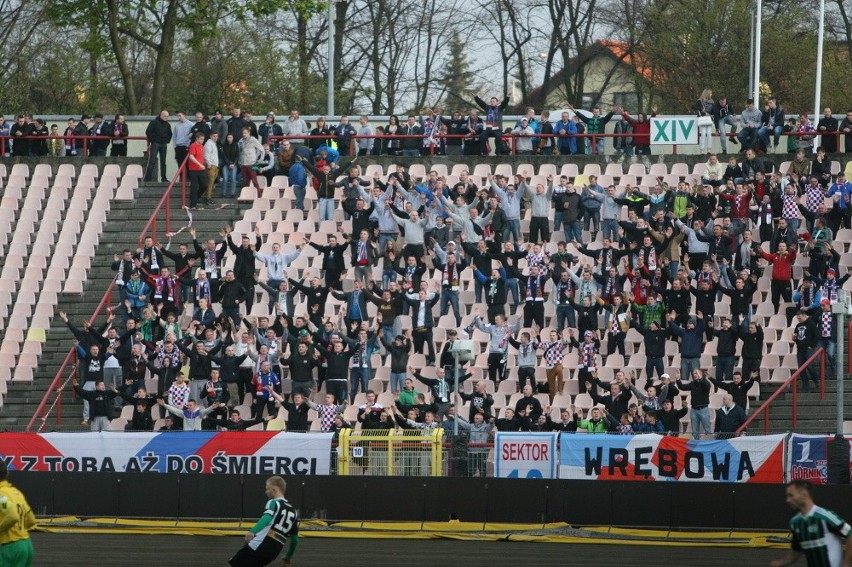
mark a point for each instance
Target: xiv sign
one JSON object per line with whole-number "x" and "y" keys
{"x": 674, "y": 130}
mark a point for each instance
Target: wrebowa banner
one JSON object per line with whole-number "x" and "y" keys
{"x": 659, "y": 458}
{"x": 199, "y": 452}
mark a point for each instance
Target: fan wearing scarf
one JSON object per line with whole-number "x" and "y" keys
{"x": 165, "y": 296}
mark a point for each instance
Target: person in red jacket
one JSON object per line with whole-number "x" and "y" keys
{"x": 197, "y": 170}
{"x": 641, "y": 130}
{"x": 782, "y": 272}
{"x": 740, "y": 205}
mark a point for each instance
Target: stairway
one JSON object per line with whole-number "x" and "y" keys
{"x": 814, "y": 415}
{"x": 125, "y": 222}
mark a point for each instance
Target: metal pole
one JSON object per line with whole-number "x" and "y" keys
{"x": 456, "y": 397}
{"x": 752, "y": 12}
{"x": 757, "y": 32}
{"x": 330, "y": 99}
{"x": 838, "y": 367}
{"x": 818, "y": 87}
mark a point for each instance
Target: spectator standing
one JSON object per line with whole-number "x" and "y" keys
{"x": 211, "y": 163}
{"x": 197, "y": 170}
{"x": 182, "y": 137}
{"x": 250, "y": 152}
{"x": 268, "y": 129}
{"x": 828, "y": 127}
{"x": 704, "y": 108}
{"x": 159, "y": 134}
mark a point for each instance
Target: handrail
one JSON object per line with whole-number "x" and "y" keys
{"x": 57, "y": 385}
{"x": 792, "y": 380}
{"x": 152, "y": 221}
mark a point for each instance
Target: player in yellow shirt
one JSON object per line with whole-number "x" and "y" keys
{"x": 16, "y": 519}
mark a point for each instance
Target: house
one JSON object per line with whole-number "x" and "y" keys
{"x": 606, "y": 73}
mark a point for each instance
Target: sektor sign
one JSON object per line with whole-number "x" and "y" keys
{"x": 525, "y": 455}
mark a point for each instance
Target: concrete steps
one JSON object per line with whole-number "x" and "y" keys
{"x": 814, "y": 415}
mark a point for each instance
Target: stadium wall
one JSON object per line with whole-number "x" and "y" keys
{"x": 420, "y": 499}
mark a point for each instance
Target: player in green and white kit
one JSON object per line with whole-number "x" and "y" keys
{"x": 818, "y": 534}
{"x": 266, "y": 539}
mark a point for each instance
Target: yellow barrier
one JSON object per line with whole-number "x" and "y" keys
{"x": 380, "y": 452}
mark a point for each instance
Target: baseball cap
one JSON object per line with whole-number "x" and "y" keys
{"x": 664, "y": 375}
{"x": 451, "y": 242}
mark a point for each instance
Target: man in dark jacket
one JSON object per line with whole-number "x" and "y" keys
{"x": 100, "y": 404}
{"x": 235, "y": 422}
{"x": 159, "y": 134}
{"x": 805, "y": 336}
{"x": 691, "y": 344}
{"x": 333, "y": 263}
{"x": 493, "y": 123}
{"x": 231, "y": 294}
{"x": 670, "y": 417}
{"x": 729, "y": 418}
{"x": 723, "y": 113}
{"x": 699, "y": 387}
{"x": 738, "y": 388}
{"x": 244, "y": 265}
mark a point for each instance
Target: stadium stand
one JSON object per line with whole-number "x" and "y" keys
{"x": 53, "y": 227}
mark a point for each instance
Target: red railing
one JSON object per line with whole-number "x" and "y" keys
{"x": 59, "y": 382}
{"x": 151, "y": 225}
{"x": 512, "y": 139}
{"x": 791, "y": 382}
{"x": 4, "y": 141}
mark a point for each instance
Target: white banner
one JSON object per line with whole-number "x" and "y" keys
{"x": 654, "y": 457}
{"x": 525, "y": 455}
{"x": 674, "y": 130}
{"x": 244, "y": 452}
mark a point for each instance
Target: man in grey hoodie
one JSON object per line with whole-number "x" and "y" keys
{"x": 751, "y": 119}
{"x": 540, "y": 205}
{"x": 192, "y": 415}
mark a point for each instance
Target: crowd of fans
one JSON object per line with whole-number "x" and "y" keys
{"x": 577, "y": 279}
{"x": 574, "y": 293}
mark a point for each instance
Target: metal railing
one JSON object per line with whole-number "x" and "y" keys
{"x": 4, "y": 142}
{"x": 165, "y": 201}
{"x": 59, "y": 383}
{"x": 511, "y": 139}
{"x": 791, "y": 383}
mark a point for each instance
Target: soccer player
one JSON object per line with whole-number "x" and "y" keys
{"x": 818, "y": 534}
{"x": 266, "y": 539}
{"x": 16, "y": 519}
